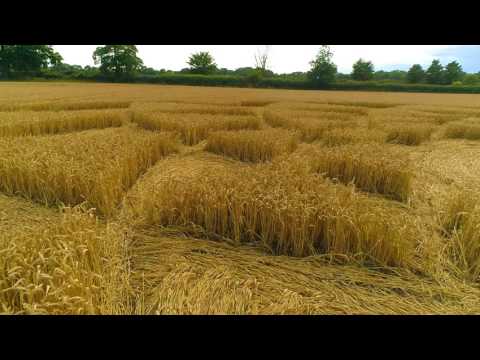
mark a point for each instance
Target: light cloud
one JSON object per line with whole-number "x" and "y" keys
{"x": 284, "y": 58}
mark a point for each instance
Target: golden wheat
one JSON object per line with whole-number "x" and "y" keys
{"x": 65, "y": 105}
{"x": 409, "y": 134}
{"x": 370, "y": 167}
{"x": 280, "y": 206}
{"x": 344, "y": 136}
{"x": 460, "y": 222}
{"x": 466, "y": 244}
{"x": 255, "y": 225}
{"x": 311, "y": 129}
{"x": 97, "y": 166}
{"x": 23, "y": 123}
{"x": 321, "y": 108}
{"x": 252, "y": 145}
{"x": 409, "y": 117}
{"x": 59, "y": 263}
{"x": 180, "y": 275}
{"x": 188, "y": 108}
{"x": 374, "y": 105}
{"x": 194, "y": 128}
{"x": 256, "y": 103}
{"x": 450, "y": 110}
{"x": 469, "y": 130}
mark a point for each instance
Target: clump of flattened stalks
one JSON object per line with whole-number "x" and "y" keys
{"x": 36, "y": 123}
{"x": 311, "y": 129}
{"x": 338, "y": 137}
{"x": 96, "y": 166}
{"x": 461, "y": 223}
{"x": 467, "y": 244}
{"x": 252, "y": 145}
{"x": 68, "y": 264}
{"x": 463, "y": 130}
{"x": 409, "y": 134}
{"x": 370, "y": 167}
{"x": 195, "y": 276}
{"x": 194, "y": 128}
{"x": 281, "y": 206}
{"x": 65, "y": 105}
{"x": 458, "y": 205}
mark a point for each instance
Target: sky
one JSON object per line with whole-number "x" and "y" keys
{"x": 291, "y": 58}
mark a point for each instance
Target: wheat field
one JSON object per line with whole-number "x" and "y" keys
{"x": 146, "y": 199}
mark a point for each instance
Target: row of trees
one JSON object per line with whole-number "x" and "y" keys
{"x": 436, "y": 73}
{"x": 324, "y": 71}
{"x": 113, "y": 60}
{"x": 122, "y": 61}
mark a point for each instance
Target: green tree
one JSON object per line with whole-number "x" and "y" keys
{"x": 471, "y": 79}
{"x": 323, "y": 70}
{"x": 26, "y": 59}
{"x": 453, "y": 72}
{"x": 435, "y": 73}
{"x": 363, "y": 70}
{"x": 119, "y": 61}
{"x": 202, "y": 63}
{"x": 415, "y": 74}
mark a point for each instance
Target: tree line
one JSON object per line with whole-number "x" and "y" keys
{"x": 121, "y": 62}
{"x": 323, "y": 70}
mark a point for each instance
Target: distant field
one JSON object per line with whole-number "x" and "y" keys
{"x": 147, "y": 199}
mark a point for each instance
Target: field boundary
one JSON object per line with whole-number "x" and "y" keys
{"x": 281, "y": 84}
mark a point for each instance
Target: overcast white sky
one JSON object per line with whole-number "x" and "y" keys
{"x": 284, "y": 58}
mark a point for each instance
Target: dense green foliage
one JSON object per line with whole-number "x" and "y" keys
{"x": 118, "y": 61}
{"x": 453, "y": 72}
{"x": 362, "y": 70}
{"x": 415, "y": 74}
{"x": 434, "y": 73}
{"x": 202, "y": 63}
{"x": 323, "y": 69}
{"x": 395, "y": 75}
{"x": 26, "y": 60}
{"x": 471, "y": 79}
{"x": 403, "y": 87}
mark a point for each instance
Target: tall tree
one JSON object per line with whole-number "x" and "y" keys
{"x": 261, "y": 58}
{"x": 117, "y": 60}
{"x": 453, "y": 72}
{"x": 323, "y": 70}
{"x": 202, "y": 63}
{"x": 26, "y": 59}
{"x": 415, "y": 74}
{"x": 435, "y": 73}
{"x": 363, "y": 70}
